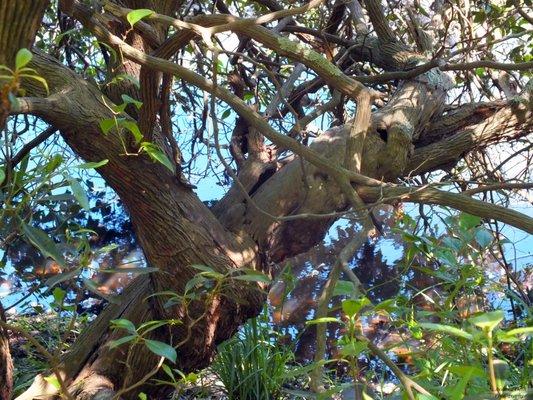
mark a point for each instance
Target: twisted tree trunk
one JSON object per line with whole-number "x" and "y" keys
{"x": 176, "y": 230}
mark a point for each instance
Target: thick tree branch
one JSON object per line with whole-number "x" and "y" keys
{"x": 430, "y": 195}
{"x": 24, "y": 18}
{"x": 237, "y": 104}
{"x": 210, "y": 24}
{"x": 377, "y": 17}
{"x": 510, "y": 122}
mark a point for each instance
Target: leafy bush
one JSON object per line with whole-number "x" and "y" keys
{"x": 251, "y": 365}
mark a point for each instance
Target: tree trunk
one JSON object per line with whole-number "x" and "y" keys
{"x": 176, "y": 230}
{"x": 6, "y": 363}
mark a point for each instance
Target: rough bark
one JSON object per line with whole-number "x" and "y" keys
{"x": 19, "y": 22}
{"x": 173, "y": 227}
{"x": 6, "y": 362}
{"x": 176, "y": 230}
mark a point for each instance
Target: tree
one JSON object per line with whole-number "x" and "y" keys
{"x": 288, "y": 187}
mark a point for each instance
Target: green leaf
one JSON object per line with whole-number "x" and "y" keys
{"x": 488, "y": 321}
{"x": 203, "y": 268}
{"x": 168, "y": 371}
{"x": 54, "y": 280}
{"x": 226, "y": 113}
{"x": 452, "y": 243}
{"x": 212, "y": 275}
{"x": 79, "y": 194}
{"x": 63, "y": 34}
{"x": 157, "y": 154}
{"x": 450, "y": 330}
{"x": 130, "y": 100}
{"x": 133, "y": 128}
{"x": 59, "y": 295}
{"x": 142, "y": 396}
{"x": 22, "y": 58}
{"x": 351, "y": 307}
{"x": 2, "y": 175}
{"x": 161, "y": 349}
{"x": 107, "y": 124}
{"x": 150, "y": 326}
{"x": 344, "y": 288}
{"x": 528, "y": 330}
{"x": 39, "y": 79}
{"x": 480, "y": 72}
{"x": 469, "y": 221}
{"x": 52, "y": 164}
{"x": 123, "y": 77}
{"x": 483, "y": 236}
{"x": 388, "y": 305}
{"x": 52, "y": 380}
{"x": 130, "y": 270}
{"x": 323, "y": 320}
{"x": 136, "y": 15}
{"x": 354, "y": 348}
{"x": 43, "y": 242}
{"x": 121, "y": 341}
{"x": 423, "y": 396}
{"x": 92, "y": 165}
{"x": 123, "y": 323}
{"x": 195, "y": 282}
{"x": 253, "y": 276}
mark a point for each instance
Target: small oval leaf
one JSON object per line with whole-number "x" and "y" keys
{"x": 488, "y": 321}
{"x": 22, "y": 58}
{"x": 123, "y": 323}
{"x": 122, "y": 340}
{"x": 136, "y": 15}
{"x": 323, "y": 320}
{"x": 161, "y": 349}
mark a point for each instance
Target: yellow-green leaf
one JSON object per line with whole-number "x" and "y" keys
{"x": 136, "y": 15}
{"x": 157, "y": 154}
{"x": 450, "y": 330}
{"x": 92, "y": 165}
{"x": 107, "y": 124}
{"x": 22, "y": 58}
{"x": 487, "y": 321}
{"x": 38, "y": 79}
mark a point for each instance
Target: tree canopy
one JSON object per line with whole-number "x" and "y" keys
{"x": 234, "y": 134}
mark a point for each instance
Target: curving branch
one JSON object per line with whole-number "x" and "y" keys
{"x": 210, "y": 24}
{"x": 377, "y": 17}
{"x": 253, "y": 118}
{"x": 430, "y": 195}
{"x": 498, "y": 124}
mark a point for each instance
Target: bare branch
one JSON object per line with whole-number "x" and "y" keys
{"x": 36, "y": 141}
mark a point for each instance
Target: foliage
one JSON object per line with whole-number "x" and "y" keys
{"x": 251, "y": 365}
{"x": 290, "y": 78}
